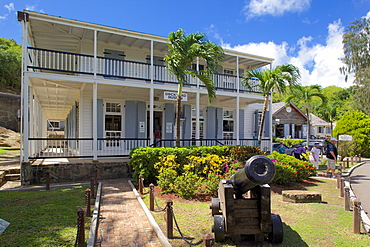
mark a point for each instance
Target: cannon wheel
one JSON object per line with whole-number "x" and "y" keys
{"x": 277, "y": 234}
{"x": 219, "y": 227}
{"x": 215, "y": 206}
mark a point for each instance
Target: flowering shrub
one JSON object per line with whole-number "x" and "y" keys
{"x": 209, "y": 164}
{"x": 232, "y": 167}
{"x": 211, "y": 184}
{"x": 303, "y": 169}
{"x": 166, "y": 179}
{"x": 243, "y": 153}
{"x": 187, "y": 184}
{"x": 284, "y": 173}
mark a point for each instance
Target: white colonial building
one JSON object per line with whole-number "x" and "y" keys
{"x": 111, "y": 89}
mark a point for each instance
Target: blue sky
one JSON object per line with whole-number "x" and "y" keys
{"x": 306, "y": 33}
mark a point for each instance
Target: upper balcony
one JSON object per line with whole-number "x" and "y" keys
{"x": 65, "y": 46}
{"x": 44, "y": 60}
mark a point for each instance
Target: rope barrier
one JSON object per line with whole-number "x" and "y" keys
{"x": 363, "y": 223}
{"x": 178, "y": 229}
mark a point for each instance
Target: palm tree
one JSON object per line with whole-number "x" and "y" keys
{"x": 182, "y": 52}
{"x": 306, "y": 94}
{"x": 269, "y": 80}
{"x": 329, "y": 112}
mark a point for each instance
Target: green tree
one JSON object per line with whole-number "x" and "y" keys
{"x": 182, "y": 53}
{"x": 307, "y": 94}
{"x": 270, "y": 80}
{"x": 10, "y": 64}
{"x": 356, "y": 124}
{"x": 356, "y": 58}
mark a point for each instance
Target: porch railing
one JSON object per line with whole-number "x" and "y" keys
{"x": 83, "y": 65}
{"x": 118, "y": 147}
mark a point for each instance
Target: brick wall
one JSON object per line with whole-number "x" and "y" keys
{"x": 9, "y": 106}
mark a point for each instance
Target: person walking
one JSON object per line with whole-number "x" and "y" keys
{"x": 332, "y": 157}
{"x": 298, "y": 152}
{"x": 315, "y": 155}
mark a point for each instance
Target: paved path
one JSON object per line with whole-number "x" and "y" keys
{"x": 360, "y": 182}
{"x": 123, "y": 222}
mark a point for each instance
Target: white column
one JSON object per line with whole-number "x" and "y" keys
{"x": 151, "y": 115}
{"x": 151, "y": 62}
{"x": 24, "y": 97}
{"x": 237, "y": 75}
{"x": 95, "y": 121}
{"x": 197, "y": 118}
{"x": 151, "y": 94}
{"x": 95, "y": 63}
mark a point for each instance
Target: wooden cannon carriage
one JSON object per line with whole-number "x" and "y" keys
{"x": 243, "y": 206}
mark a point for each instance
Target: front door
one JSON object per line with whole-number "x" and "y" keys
{"x": 113, "y": 124}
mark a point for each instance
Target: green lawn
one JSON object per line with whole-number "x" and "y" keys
{"x": 41, "y": 218}
{"x": 305, "y": 224}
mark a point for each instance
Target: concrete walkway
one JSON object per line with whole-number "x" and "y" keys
{"x": 360, "y": 183}
{"x": 123, "y": 220}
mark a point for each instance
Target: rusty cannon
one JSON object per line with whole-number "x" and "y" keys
{"x": 243, "y": 206}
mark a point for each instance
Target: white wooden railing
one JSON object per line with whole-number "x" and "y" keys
{"x": 80, "y": 64}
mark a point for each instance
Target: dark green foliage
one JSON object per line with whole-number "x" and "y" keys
{"x": 356, "y": 124}
{"x": 302, "y": 169}
{"x": 143, "y": 159}
{"x": 243, "y": 153}
{"x": 10, "y": 64}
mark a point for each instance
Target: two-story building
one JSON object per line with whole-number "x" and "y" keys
{"x": 111, "y": 89}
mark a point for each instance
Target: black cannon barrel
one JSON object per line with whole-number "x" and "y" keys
{"x": 258, "y": 170}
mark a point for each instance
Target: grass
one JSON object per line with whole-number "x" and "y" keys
{"x": 305, "y": 224}
{"x": 41, "y": 218}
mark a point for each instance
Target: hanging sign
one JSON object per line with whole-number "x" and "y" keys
{"x": 345, "y": 138}
{"x": 173, "y": 96}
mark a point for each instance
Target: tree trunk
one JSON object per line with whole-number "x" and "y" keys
{"x": 262, "y": 120}
{"x": 178, "y": 121}
{"x": 308, "y": 127}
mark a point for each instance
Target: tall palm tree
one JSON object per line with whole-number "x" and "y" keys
{"x": 329, "y": 112}
{"x": 306, "y": 94}
{"x": 182, "y": 53}
{"x": 269, "y": 80}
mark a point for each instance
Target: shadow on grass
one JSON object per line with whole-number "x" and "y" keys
{"x": 291, "y": 238}
{"x": 311, "y": 182}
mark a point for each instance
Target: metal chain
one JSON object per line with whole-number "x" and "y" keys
{"x": 156, "y": 202}
{"x": 362, "y": 222}
{"x": 178, "y": 229}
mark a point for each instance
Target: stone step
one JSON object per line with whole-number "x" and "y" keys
{"x": 12, "y": 177}
{"x": 14, "y": 170}
{"x": 301, "y": 196}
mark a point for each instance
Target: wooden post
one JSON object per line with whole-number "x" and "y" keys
{"x": 151, "y": 197}
{"x": 47, "y": 180}
{"x": 169, "y": 219}
{"x": 347, "y": 159}
{"x": 351, "y": 160}
{"x": 338, "y": 180}
{"x": 208, "y": 240}
{"x": 88, "y": 202}
{"x": 96, "y": 176}
{"x": 92, "y": 188}
{"x": 141, "y": 184}
{"x": 341, "y": 187}
{"x": 356, "y": 216}
{"x": 346, "y": 199}
{"x": 80, "y": 228}
{"x": 359, "y": 158}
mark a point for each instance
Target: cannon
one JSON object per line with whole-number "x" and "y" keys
{"x": 243, "y": 206}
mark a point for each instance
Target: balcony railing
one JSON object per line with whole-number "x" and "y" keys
{"x": 118, "y": 147}
{"x": 80, "y": 64}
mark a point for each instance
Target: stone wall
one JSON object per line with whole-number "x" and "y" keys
{"x": 78, "y": 172}
{"x": 9, "y": 106}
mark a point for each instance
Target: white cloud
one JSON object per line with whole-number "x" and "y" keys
{"x": 31, "y": 7}
{"x": 318, "y": 64}
{"x": 9, "y": 7}
{"x": 3, "y": 17}
{"x": 274, "y": 7}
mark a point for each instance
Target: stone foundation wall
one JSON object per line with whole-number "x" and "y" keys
{"x": 78, "y": 172}
{"x": 9, "y": 106}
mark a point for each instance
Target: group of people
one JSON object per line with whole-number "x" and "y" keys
{"x": 331, "y": 155}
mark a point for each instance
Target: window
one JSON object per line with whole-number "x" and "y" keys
{"x": 54, "y": 125}
{"x": 113, "y": 107}
{"x": 228, "y": 72}
{"x": 228, "y": 124}
{"x": 328, "y": 130}
{"x": 320, "y": 129}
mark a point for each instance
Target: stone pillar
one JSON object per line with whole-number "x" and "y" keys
{"x": 26, "y": 173}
